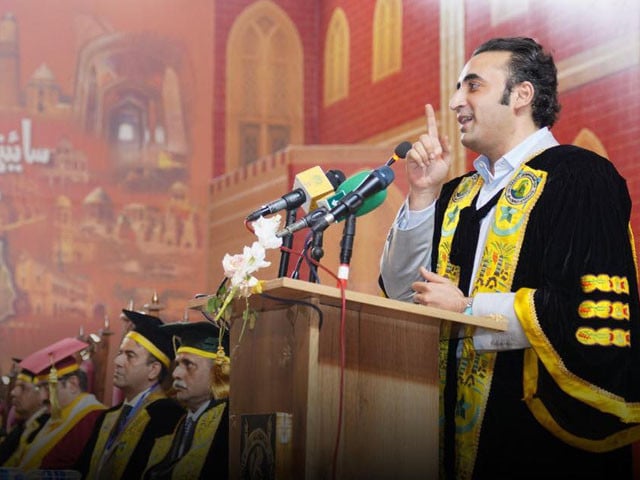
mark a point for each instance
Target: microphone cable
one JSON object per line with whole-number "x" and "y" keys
{"x": 301, "y": 256}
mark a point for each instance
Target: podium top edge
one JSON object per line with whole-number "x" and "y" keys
{"x": 294, "y": 288}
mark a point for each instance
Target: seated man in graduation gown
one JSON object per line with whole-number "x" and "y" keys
{"x": 73, "y": 411}
{"x": 124, "y": 437}
{"x": 28, "y": 400}
{"x": 199, "y": 447}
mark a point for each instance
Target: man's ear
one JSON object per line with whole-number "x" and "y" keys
{"x": 524, "y": 93}
{"x": 154, "y": 370}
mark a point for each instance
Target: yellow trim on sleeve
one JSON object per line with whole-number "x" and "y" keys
{"x": 571, "y": 384}
{"x": 617, "y": 440}
{"x": 632, "y": 241}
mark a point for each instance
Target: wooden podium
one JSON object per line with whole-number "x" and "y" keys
{"x": 285, "y": 379}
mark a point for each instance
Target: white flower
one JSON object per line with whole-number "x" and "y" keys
{"x": 232, "y": 264}
{"x": 246, "y": 287}
{"x": 265, "y": 229}
{"x": 239, "y": 267}
{"x": 255, "y": 255}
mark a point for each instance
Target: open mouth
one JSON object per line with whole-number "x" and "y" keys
{"x": 464, "y": 119}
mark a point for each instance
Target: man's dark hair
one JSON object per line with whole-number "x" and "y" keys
{"x": 529, "y": 62}
{"x": 164, "y": 371}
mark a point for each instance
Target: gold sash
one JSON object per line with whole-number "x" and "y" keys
{"x": 54, "y": 431}
{"x": 191, "y": 463}
{"x": 110, "y": 463}
{"x": 495, "y": 274}
{"x": 23, "y": 445}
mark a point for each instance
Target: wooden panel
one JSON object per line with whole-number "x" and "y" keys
{"x": 390, "y": 412}
{"x": 287, "y": 363}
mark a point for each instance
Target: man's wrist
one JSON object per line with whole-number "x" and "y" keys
{"x": 468, "y": 309}
{"x": 421, "y": 200}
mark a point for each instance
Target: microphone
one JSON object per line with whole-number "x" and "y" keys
{"x": 327, "y": 203}
{"x": 378, "y": 180}
{"x": 337, "y": 178}
{"x": 346, "y": 247}
{"x": 400, "y": 152}
{"x": 331, "y": 201}
{"x": 309, "y": 186}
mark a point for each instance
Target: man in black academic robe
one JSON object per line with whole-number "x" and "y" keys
{"x": 539, "y": 233}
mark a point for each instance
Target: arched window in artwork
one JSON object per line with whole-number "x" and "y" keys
{"x": 264, "y": 82}
{"x": 126, "y": 132}
{"x": 387, "y": 39}
{"x": 170, "y": 129}
{"x": 336, "y": 58}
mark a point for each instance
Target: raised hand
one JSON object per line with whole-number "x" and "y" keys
{"x": 428, "y": 164}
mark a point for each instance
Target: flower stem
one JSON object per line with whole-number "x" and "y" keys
{"x": 227, "y": 300}
{"x": 245, "y": 318}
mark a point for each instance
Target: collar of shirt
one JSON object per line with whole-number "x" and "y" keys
{"x": 134, "y": 401}
{"x": 505, "y": 166}
{"x": 195, "y": 415}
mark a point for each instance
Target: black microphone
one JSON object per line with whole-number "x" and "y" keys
{"x": 346, "y": 244}
{"x": 378, "y": 180}
{"x": 400, "y": 152}
{"x": 311, "y": 185}
{"x": 336, "y": 177}
{"x": 306, "y": 221}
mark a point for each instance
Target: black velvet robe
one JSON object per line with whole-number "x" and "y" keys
{"x": 164, "y": 413}
{"x": 578, "y": 227}
{"x": 215, "y": 464}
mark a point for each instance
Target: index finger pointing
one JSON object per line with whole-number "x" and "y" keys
{"x": 432, "y": 125}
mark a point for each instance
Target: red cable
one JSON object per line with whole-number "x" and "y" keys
{"x": 343, "y": 360}
{"x": 315, "y": 262}
{"x": 342, "y": 285}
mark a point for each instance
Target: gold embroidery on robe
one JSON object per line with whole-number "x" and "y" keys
{"x": 52, "y": 433}
{"x": 191, "y": 463}
{"x": 110, "y": 463}
{"x": 495, "y": 274}
{"x": 23, "y": 445}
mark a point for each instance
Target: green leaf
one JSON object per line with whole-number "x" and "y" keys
{"x": 212, "y": 304}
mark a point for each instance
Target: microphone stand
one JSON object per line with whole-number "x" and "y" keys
{"x": 287, "y": 241}
{"x": 316, "y": 252}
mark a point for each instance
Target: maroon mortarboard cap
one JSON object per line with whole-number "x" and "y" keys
{"x": 147, "y": 332}
{"x": 60, "y": 355}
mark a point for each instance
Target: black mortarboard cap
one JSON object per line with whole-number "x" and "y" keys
{"x": 198, "y": 336}
{"x": 147, "y": 332}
